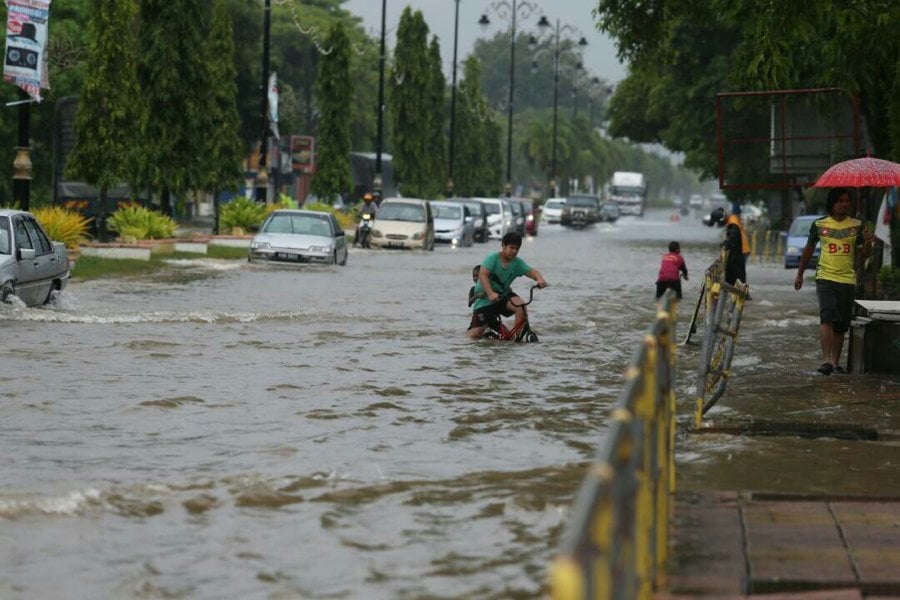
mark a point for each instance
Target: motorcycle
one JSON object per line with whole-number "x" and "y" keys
{"x": 365, "y": 230}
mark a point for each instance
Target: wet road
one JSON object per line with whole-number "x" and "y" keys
{"x": 227, "y": 430}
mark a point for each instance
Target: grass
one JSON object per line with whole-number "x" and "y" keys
{"x": 95, "y": 267}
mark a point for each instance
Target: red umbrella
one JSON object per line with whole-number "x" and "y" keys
{"x": 861, "y": 172}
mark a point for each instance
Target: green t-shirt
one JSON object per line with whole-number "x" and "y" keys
{"x": 501, "y": 277}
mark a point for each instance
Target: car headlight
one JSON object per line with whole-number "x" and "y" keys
{"x": 325, "y": 249}
{"x": 260, "y": 245}
{"x": 376, "y": 233}
{"x": 418, "y": 235}
{"x": 793, "y": 250}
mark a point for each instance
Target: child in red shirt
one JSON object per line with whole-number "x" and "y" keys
{"x": 669, "y": 269}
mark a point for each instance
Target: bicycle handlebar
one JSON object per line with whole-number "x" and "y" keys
{"x": 530, "y": 296}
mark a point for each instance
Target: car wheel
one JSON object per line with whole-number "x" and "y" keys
{"x": 343, "y": 263}
{"x": 6, "y": 290}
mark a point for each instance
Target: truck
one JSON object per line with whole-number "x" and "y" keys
{"x": 629, "y": 190}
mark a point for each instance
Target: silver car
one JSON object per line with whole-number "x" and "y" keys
{"x": 453, "y": 223}
{"x": 298, "y": 237}
{"x": 32, "y": 266}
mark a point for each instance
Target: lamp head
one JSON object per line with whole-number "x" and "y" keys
{"x": 484, "y": 21}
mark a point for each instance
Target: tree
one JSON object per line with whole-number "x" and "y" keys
{"x": 225, "y": 150}
{"x": 106, "y": 148}
{"x": 175, "y": 89}
{"x": 334, "y": 89}
{"x": 477, "y": 162}
{"x": 435, "y": 158}
{"x": 409, "y": 91}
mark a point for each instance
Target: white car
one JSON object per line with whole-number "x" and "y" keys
{"x": 498, "y": 215}
{"x": 403, "y": 223}
{"x": 291, "y": 236}
{"x": 32, "y": 266}
{"x": 552, "y": 210}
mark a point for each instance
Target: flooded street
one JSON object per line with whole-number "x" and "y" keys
{"x": 234, "y": 431}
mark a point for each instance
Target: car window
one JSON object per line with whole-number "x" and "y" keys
{"x": 475, "y": 208}
{"x": 38, "y": 237}
{"x": 800, "y": 226}
{"x": 397, "y": 211}
{"x": 583, "y": 201}
{"x": 447, "y": 212}
{"x": 22, "y": 239}
{"x": 553, "y": 204}
{"x": 491, "y": 208}
{"x": 298, "y": 224}
{"x": 4, "y": 237}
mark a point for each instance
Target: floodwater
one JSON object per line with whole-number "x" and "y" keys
{"x": 233, "y": 431}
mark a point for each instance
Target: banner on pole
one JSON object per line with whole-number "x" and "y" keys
{"x": 25, "y": 62}
{"x": 273, "y": 105}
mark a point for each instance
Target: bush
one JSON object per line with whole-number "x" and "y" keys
{"x": 889, "y": 280}
{"x": 63, "y": 225}
{"x": 242, "y": 213}
{"x": 139, "y": 223}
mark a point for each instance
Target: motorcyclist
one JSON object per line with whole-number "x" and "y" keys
{"x": 369, "y": 207}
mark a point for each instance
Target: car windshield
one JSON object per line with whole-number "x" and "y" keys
{"x": 801, "y": 227}
{"x": 4, "y": 236}
{"x": 442, "y": 211}
{"x": 553, "y": 204}
{"x": 401, "y": 211}
{"x": 298, "y": 224}
{"x": 588, "y": 201}
{"x": 474, "y": 208}
{"x": 491, "y": 208}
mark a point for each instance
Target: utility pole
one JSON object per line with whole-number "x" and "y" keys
{"x": 378, "y": 181}
{"x": 262, "y": 175}
{"x": 22, "y": 162}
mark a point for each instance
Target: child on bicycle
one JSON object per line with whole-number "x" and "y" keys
{"x": 671, "y": 269}
{"x": 492, "y": 292}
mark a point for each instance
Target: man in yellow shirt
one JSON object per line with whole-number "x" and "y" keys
{"x": 838, "y": 235}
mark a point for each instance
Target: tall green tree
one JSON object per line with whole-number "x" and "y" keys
{"x": 409, "y": 99}
{"x": 175, "y": 87}
{"x": 435, "y": 159}
{"x": 334, "y": 90}
{"x": 477, "y": 164}
{"x": 225, "y": 151}
{"x": 107, "y": 145}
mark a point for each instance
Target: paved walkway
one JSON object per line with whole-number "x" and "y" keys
{"x": 730, "y": 545}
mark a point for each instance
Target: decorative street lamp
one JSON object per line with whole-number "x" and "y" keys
{"x": 509, "y": 10}
{"x": 378, "y": 180}
{"x": 544, "y": 23}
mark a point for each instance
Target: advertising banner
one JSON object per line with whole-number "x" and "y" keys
{"x": 302, "y": 153}
{"x": 25, "y": 63}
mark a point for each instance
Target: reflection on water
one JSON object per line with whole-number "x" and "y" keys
{"x": 233, "y": 431}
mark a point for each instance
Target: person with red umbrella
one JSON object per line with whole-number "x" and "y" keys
{"x": 839, "y": 237}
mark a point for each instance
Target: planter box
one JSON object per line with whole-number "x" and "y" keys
{"x": 192, "y": 247}
{"x": 132, "y": 252}
{"x": 234, "y": 241}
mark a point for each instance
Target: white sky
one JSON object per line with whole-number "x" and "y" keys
{"x": 599, "y": 54}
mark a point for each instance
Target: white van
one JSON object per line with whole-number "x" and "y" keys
{"x": 499, "y": 216}
{"x": 403, "y": 223}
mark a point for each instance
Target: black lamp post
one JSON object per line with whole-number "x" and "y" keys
{"x": 513, "y": 9}
{"x": 262, "y": 175}
{"x": 544, "y": 22}
{"x": 453, "y": 104}
{"x": 378, "y": 181}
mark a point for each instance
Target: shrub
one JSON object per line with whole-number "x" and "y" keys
{"x": 242, "y": 213}
{"x": 140, "y": 223}
{"x": 63, "y": 225}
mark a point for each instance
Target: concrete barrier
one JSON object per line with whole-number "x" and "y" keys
{"x": 130, "y": 252}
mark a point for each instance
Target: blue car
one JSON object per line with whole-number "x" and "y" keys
{"x": 796, "y": 241}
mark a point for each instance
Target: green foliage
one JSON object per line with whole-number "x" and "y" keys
{"x": 477, "y": 163}
{"x": 242, "y": 213}
{"x": 105, "y": 123}
{"x": 141, "y": 223}
{"x": 63, "y": 225}
{"x": 889, "y": 280}
{"x": 333, "y": 92}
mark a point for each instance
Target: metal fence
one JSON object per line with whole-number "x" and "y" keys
{"x": 614, "y": 546}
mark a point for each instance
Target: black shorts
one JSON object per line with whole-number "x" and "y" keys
{"x": 486, "y": 314}
{"x": 662, "y": 286}
{"x": 835, "y": 303}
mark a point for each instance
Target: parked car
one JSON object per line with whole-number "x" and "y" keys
{"x": 290, "y": 236}
{"x": 580, "y": 210}
{"x": 32, "y": 266}
{"x": 403, "y": 223}
{"x": 518, "y": 213}
{"x": 453, "y": 223}
{"x": 795, "y": 241}
{"x": 498, "y": 216}
{"x": 609, "y": 212}
{"x": 696, "y": 201}
{"x": 479, "y": 216}
{"x": 532, "y": 215}
{"x": 552, "y": 210}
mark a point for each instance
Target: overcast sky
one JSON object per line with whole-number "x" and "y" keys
{"x": 599, "y": 55}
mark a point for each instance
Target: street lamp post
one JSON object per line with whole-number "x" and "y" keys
{"x": 378, "y": 181}
{"x": 513, "y": 8}
{"x": 453, "y": 103}
{"x": 544, "y": 22}
{"x": 262, "y": 175}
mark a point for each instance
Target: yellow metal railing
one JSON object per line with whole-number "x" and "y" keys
{"x": 615, "y": 544}
{"x": 766, "y": 245}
